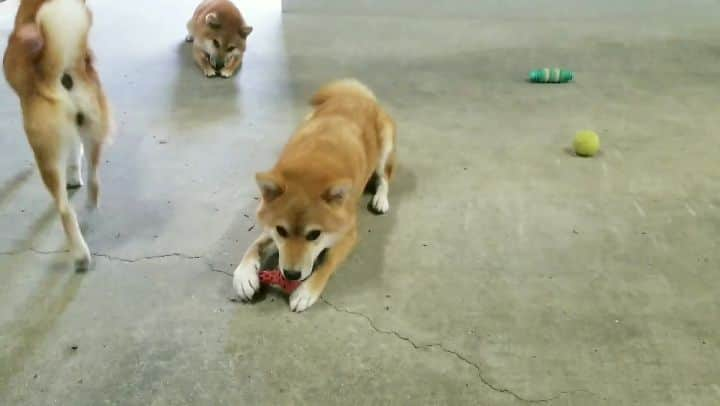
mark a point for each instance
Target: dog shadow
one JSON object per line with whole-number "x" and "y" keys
{"x": 240, "y": 233}
{"x": 14, "y": 184}
{"x": 199, "y": 101}
{"x": 13, "y": 264}
{"x": 41, "y": 312}
{"x": 109, "y": 228}
{"x": 32, "y": 235}
{"x": 366, "y": 263}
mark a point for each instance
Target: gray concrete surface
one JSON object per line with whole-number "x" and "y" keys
{"x": 498, "y": 8}
{"x": 507, "y": 273}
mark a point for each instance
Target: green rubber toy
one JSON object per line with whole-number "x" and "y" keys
{"x": 551, "y": 75}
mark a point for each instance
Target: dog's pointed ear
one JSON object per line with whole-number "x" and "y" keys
{"x": 338, "y": 192}
{"x": 245, "y": 31}
{"x": 212, "y": 20}
{"x": 270, "y": 186}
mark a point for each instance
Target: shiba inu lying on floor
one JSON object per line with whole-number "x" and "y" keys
{"x": 309, "y": 199}
{"x": 50, "y": 67}
{"x": 218, "y": 33}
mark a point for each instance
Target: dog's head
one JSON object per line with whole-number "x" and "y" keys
{"x": 304, "y": 217}
{"x": 223, "y": 39}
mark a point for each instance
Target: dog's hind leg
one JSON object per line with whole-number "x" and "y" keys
{"x": 93, "y": 155}
{"x": 386, "y": 164}
{"x": 74, "y": 164}
{"x": 49, "y": 157}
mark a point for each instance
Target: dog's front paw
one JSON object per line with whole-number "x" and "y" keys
{"x": 246, "y": 281}
{"x": 380, "y": 203}
{"x": 210, "y": 72}
{"x": 226, "y": 73}
{"x": 303, "y": 298}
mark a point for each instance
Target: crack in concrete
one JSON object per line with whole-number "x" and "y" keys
{"x": 456, "y": 354}
{"x": 109, "y": 257}
{"x": 106, "y": 256}
{"x": 213, "y": 269}
{"x": 148, "y": 258}
{"x": 369, "y": 320}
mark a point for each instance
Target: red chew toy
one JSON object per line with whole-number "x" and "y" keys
{"x": 275, "y": 278}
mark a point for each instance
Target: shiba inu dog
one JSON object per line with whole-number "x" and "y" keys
{"x": 65, "y": 112}
{"x": 309, "y": 199}
{"x": 218, "y": 33}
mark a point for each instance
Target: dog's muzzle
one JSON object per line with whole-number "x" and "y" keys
{"x": 217, "y": 63}
{"x": 318, "y": 261}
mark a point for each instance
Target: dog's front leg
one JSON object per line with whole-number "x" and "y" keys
{"x": 201, "y": 59}
{"x": 231, "y": 67}
{"x": 245, "y": 278}
{"x": 310, "y": 290}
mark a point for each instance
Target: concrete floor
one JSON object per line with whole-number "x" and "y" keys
{"x": 508, "y": 271}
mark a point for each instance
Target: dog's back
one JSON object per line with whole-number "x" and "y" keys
{"x": 339, "y": 88}
{"x": 343, "y": 136}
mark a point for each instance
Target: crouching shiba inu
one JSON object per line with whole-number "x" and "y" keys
{"x": 50, "y": 67}
{"x": 309, "y": 199}
{"x": 218, "y": 33}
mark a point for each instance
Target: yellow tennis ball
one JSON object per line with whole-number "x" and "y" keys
{"x": 587, "y": 143}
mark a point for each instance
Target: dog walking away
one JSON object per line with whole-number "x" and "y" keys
{"x": 65, "y": 113}
{"x": 218, "y": 33}
{"x": 310, "y": 197}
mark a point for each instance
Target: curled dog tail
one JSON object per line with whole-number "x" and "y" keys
{"x": 339, "y": 87}
{"x": 64, "y": 26}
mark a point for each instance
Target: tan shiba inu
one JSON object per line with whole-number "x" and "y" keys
{"x": 50, "y": 67}
{"x": 309, "y": 199}
{"x": 218, "y": 33}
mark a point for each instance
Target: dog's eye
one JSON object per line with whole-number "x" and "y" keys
{"x": 231, "y": 49}
{"x": 282, "y": 231}
{"x": 216, "y": 43}
{"x": 313, "y": 235}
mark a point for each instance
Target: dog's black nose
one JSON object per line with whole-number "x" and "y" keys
{"x": 217, "y": 64}
{"x": 292, "y": 275}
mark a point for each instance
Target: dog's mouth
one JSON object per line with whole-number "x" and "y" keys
{"x": 318, "y": 261}
{"x": 271, "y": 262}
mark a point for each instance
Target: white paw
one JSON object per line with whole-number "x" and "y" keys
{"x": 226, "y": 73}
{"x": 74, "y": 177}
{"x": 93, "y": 197}
{"x": 303, "y": 298}
{"x": 380, "y": 203}
{"x": 210, "y": 72}
{"x": 91, "y": 205}
{"x": 82, "y": 258}
{"x": 246, "y": 281}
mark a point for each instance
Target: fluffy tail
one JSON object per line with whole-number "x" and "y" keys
{"x": 342, "y": 86}
{"x": 64, "y": 25}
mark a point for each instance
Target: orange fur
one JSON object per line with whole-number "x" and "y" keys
{"x": 317, "y": 183}
{"x": 49, "y": 44}
{"x": 219, "y": 35}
